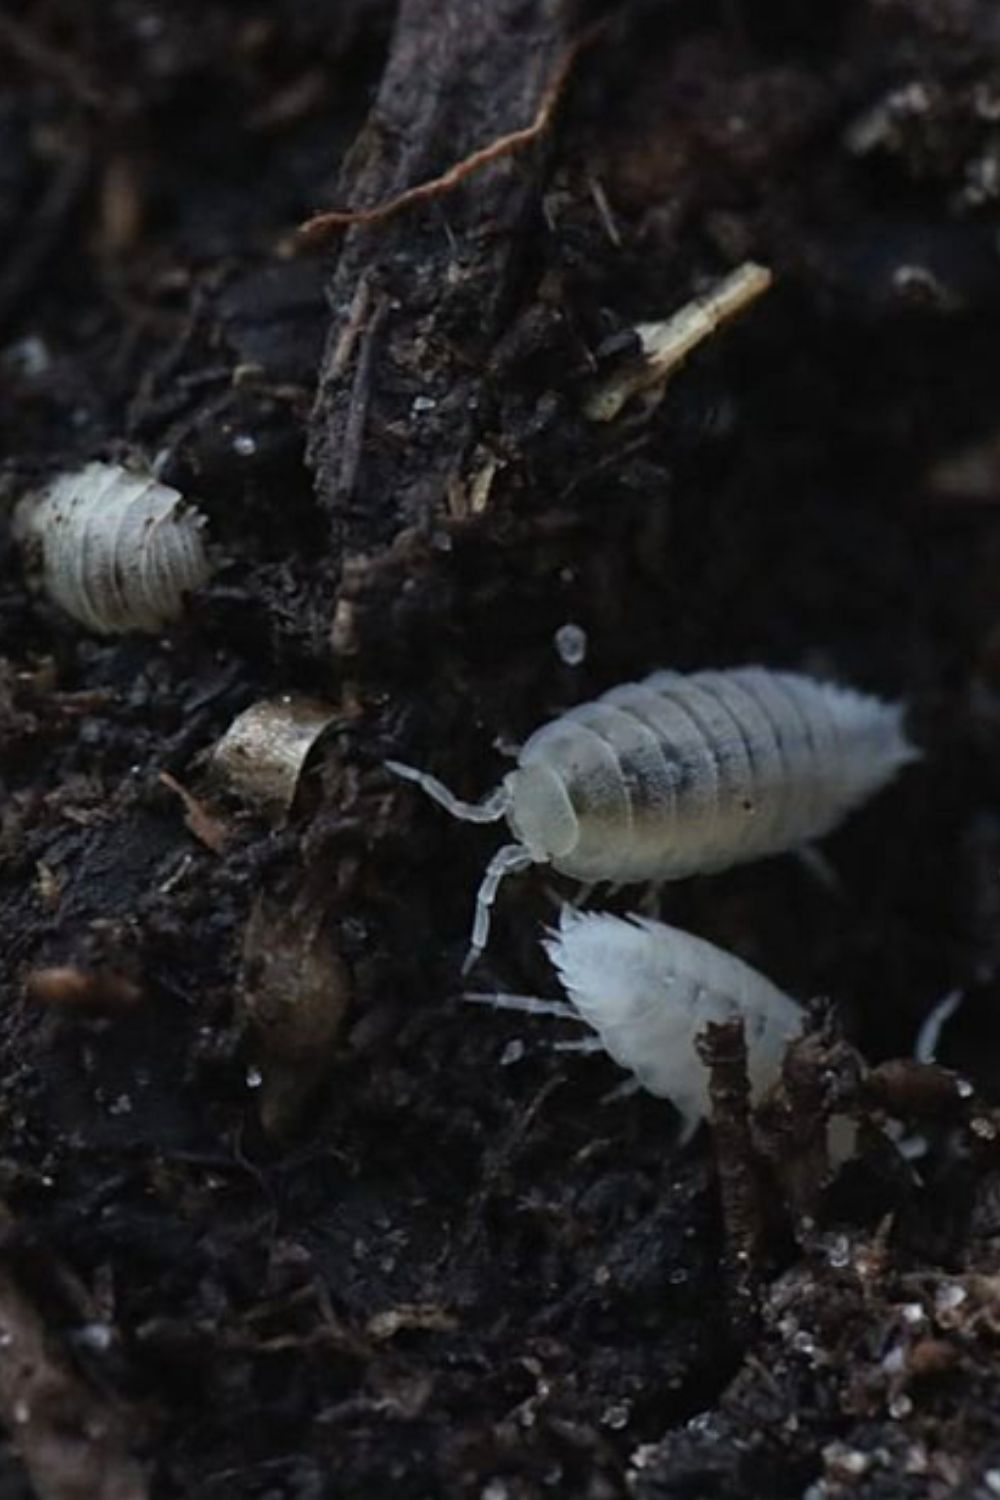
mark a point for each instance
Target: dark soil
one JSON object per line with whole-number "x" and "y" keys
{"x": 427, "y": 1259}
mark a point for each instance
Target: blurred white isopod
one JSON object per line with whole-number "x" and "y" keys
{"x": 648, "y": 990}
{"x": 683, "y": 775}
{"x": 116, "y": 550}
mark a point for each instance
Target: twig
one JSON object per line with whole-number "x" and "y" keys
{"x": 321, "y": 226}
{"x": 722, "y": 1048}
{"x": 357, "y": 318}
{"x": 665, "y": 345}
{"x": 354, "y": 429}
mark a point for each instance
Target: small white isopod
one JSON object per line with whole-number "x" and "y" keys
{"x": 682, "y": 775}
{"x": 648, "y": 990}
{"x": 116, "y": 550}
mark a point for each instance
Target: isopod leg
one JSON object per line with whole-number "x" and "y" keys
{"x": 584, "y": 1044}
{"x": 929, "y": 1036}
{"x": 490, "y": 810}
{"x": 627, "y": 1089}
{"x": 579, "y": 899}
{"x": 530, "y": 1004}
{"x": 509, "y": 858}
{"x": 650, "y": 903}
{"x": 820, "y": 868}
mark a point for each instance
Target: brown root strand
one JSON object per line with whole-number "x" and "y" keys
{"x": 317, "y": 230}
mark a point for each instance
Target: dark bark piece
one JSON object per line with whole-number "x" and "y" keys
{"x": 722, "y": 1048}
{"x": 419, "y": 302}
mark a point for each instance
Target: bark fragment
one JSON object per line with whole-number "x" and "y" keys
{"x": 402, "y": 369}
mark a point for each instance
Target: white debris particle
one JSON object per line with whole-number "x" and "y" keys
{"x": 949, "y": 1298}
{"x": 254, "y": 1078}
{"x": 616, "y": 1416}
{"x": 571, "y": 644}
{"x": 843, "y": 1462}
{"x": 120, "y": 1106}
{"x": 899, "y": 1407}
{"x": 912, "y": 1313}
{"x": 991, "y": 1479}
{"x": 423, "y": 403}
{"x": 28, "y": 357}
{"x": 838, "y": 1253}
{"x": 244, "y": 445}
{"x": 97, "y": 1337}
{"x": 512, "y": 1053}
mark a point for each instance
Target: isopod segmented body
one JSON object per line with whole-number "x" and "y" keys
{"x": 648, "y": 990}
{"x": 116, "y": 550}
{"x": 680, "y": 775}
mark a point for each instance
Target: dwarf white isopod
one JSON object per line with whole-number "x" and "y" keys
{"x": 116, "y": 550}
{"x": 683, "y": 775}
{"x": 648, "y": 990}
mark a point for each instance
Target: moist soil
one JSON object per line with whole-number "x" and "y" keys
{"x": 293, "y": 1219}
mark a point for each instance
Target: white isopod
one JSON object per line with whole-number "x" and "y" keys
{"x": 683, "y": 775}
{"x": 648, "y": 990}
{"x": 116, "y": 550}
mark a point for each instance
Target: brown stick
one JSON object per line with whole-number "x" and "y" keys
{"x": 722, "y": 1048}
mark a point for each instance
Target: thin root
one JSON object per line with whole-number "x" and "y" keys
{"x": 321, "y": 226}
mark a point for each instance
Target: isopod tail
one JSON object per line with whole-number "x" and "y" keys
{"x": 882, "y": 745}
{"x": 506, "y": 861}
{"x": 490, "y": 810}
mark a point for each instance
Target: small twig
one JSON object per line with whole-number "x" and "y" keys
{"x": 666, "y": 345}
{"x": 349, "y": 334}
{"x": 317, "y": 230}
{"x": 722, "y": 1048}
{"x": 354, "y": 429}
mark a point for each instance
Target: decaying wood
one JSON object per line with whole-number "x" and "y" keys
{"x": 461, "y": 73}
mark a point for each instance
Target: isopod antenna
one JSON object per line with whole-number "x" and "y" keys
{"x": 507, "y": 859}
{"x": 490, "y": 810}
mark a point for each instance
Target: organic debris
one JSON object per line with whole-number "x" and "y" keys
{"x": 263, "y": 754}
